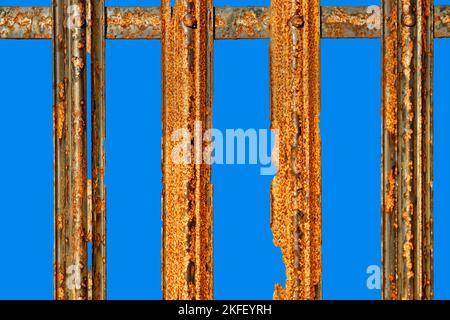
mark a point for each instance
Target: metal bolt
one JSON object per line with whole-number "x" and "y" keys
{"x": 190, "y": 21}
{"x": 409, "y": 20}
{"x": 296, "y": 21}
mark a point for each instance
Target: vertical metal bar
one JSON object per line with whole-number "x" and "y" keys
{"x": 407, "y": 216}
{"x": 59, "y": 142}
{"x": 295, "y": 112}
{"x": 98, "y": 149}
{"x": 70, "y": 149}
{"x": 187, "y": 41}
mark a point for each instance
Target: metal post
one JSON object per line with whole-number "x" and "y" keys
{"x": 69, "y": 53}
{"x": 98, "y": 31}
{"x": 187, "y": 43}
{"x": 407, "y": 215}
{"x": 295, "y": 111}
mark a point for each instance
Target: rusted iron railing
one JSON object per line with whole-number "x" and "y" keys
{"x": 187, "y": 31}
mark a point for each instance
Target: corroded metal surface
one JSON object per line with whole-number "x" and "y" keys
{"x": 98, "y": 150}
{"x": 230, "y": 22}
{"x": 351, "y": 22}
{"x": 133, "y": 23}
{"x": 241, "y": 23}
{"x": 121, "y": 23}
{"x": 442, "y": 21}
{"x": 407, "y": 217}
{"x": 25, "y": 22}
{"x": 60, "y": 143}
{"x": 187, "y": 41}
{"x": 69, "y": 53}
{"x": 336, "y": 22}
{"x": 295, "y": 112}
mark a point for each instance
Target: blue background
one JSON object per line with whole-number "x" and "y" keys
{"x": 247, "y": 265}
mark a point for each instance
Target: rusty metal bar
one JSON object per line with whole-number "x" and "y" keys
{"x": 187, "y": 44}
{"x": 407, "y": 215}
{"x": 241, "y": 23}
{"x": 69, "y": 53}
{"x": 60, "y": 141}
{"x": 133, "y": 23}
{"x": 351, "y": 22}
{"x": 98, "y": 117}
{"x": 230, "y": 22}
{"x": 295, "y": 112}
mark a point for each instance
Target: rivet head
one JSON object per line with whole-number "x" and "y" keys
{"x": 296, "y": 21}
{"x": 190, "y": 21}
{"x": 409, "y": 20}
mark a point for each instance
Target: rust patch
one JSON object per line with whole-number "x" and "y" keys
{"x": 78, "y": 62}
{"x": 60, "y": 118}
{"x": 247, "y": 23}
{"x": 393, "y": 287}
{"x": 390, "y": 199}
{"x": 60, "y": 294}
{"x": 61, "y": 91}
{"x": 390, "y": 76}
{"x": 59, "y": 222}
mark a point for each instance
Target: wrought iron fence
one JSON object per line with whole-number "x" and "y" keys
{"x": 187, "y": 32}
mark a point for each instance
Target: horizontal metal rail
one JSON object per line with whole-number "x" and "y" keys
{"x": 230, "y": 22}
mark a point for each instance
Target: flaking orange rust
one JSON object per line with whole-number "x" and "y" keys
{"x": 390, "y": 146}
{"x": 407, "y": 167}
{"x": 390, "y": 105}
{"x": 393, "y": 287}
{"x": 60, "y": 118}
{"x": 187, "y": 212}
{"x": 295, "y": 111}
{"x": 390, "y": 198}
{"x": 20, "y": 19}
{"x": 248, "y": 23}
